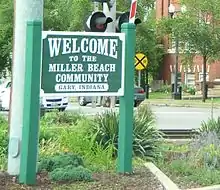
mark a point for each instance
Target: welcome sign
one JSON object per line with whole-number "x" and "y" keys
{"x": 83, "y": 64}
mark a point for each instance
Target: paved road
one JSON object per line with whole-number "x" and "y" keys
{"x": 182, "y": 118}
{"x": 167, "y": 117}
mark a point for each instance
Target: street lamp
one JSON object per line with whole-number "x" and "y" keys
{"x": 172, "y": 10}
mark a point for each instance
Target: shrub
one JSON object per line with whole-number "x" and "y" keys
{"x": 50, "y": 147}
{"x": 61, "y": 160}
{"x": 105, "y": 125}
{"x": 205, "y": 150}
{"x": 61, "y": 118}
{"x": 65, "y": 167}
{"x": 80, "y": 140}
{"x": 146, "y": 137}
{"x": 71, "y": 173}
{"x": 189, "y": 89}
{"x": 4, "y": 139}
{"x": 211, "y": 125}
{"x": 48, "y": 133}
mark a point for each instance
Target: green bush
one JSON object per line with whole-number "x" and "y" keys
{"x": 65, "y": 167}
{"x": 207, "y": 144}
{"x": 146, "y": 137}
{"x": 61, "y": 118}
{"x": 48, "y": 132}
{"x": 71, "y": 173}
{"x": 50, "y": 147}
{"x": 81, "y": 140}
{"x": 185, "y": 171}
{"x": 211, "y": 125}
{"x": 105, "y": 125}
{"x": 205, "y": 150}
{"x": 53, "y": 123}
{"x": 61, "y": 160}
{"x": 189, "y": 89}
{"x": 4, "y": 140}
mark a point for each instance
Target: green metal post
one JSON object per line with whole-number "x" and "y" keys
{"x": 127, "y": 103}
{"x": 29, "y": 144}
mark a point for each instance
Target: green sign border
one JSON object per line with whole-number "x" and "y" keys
{"x": 121, "y": 36}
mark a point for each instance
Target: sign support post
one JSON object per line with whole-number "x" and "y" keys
{"x": 139, "y": 78}
{"x": 126, "y": 103}
{"x": 31, "y": 109}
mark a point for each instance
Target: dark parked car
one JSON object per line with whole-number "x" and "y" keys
{"x": 139, "y": 96}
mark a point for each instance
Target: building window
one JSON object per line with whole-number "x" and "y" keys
{"x": 183, "y": 46}
{"x": 201, "y": 77}
{"x": 190, "y": 79}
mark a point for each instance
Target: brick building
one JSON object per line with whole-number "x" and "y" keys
{"x": 189, "y": 76}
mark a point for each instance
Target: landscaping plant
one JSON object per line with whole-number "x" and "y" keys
{"x": 61, "y": 118}
{"x": 80, "y": 140}
{"x": 211, "y": 125}
{"x": 146, "y": 137}
{"x": 65, "y": 167}
{"x": 198, "y": 161}
{"x": 3, "y": 142}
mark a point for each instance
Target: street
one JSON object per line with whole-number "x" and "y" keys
{"x": 167, "y": 117}
{"x": 182, "y": 118}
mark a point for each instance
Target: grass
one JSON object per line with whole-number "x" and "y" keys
{"x": 164, "y": 98}
{"x": 159, "y": 95}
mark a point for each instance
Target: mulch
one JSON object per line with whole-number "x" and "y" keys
{"x": 140, "y": 179}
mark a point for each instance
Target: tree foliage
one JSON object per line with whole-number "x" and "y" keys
{"x": 6, "y": 33}
{"x": 148, "y": 42}
{"x": 198, "y": 29}
{"x": 70, "y": 15}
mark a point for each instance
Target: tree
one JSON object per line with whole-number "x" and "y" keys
{"x": 6, "y": 33}
{"x": 198, "y": 28}
{"x": 66, "y": 15}
{"x": 148, "y": 42}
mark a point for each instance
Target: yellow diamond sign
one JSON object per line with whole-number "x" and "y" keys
{"x": 141, "y": 61}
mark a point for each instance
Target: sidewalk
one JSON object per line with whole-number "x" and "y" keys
{"x": 197, "y": 103}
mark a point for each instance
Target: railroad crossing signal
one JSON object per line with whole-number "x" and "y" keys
{"x": 133, "y": 11}
{"x": 141, "y": 61}
{"x": 123, "y": 17}
{"x": 97, "y": 22}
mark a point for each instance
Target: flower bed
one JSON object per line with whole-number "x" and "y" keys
{"x": 194, "y": 164}
{"x": 77, "y": 152}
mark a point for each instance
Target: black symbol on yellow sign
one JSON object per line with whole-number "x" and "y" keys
{"x": 140, "y": 61}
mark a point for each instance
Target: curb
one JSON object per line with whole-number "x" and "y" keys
{"x": 166, "y": 182}
{"x": 183, "y": 106}
{"x": 214, "y": 187}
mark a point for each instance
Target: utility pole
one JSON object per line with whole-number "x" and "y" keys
{"x": 25, "y": 10}
{"x": 111, "y": 12}
{"x": 96, "y": 8}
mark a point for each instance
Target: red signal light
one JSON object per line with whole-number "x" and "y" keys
{"x": 100, "y": 26}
